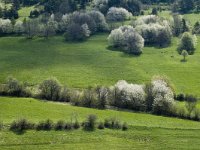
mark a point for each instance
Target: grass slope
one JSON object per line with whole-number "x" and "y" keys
{"x": 88, "y": 63}
{"x": 146, "y": 131}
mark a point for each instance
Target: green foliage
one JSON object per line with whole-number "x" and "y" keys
{"x": 90, "y": 123}
{"x": 50, "y": 89}
{"x": 21, "y": 125}
{"x": 45, "y": 125}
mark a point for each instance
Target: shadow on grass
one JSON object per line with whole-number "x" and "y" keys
{"x": 18, "y": 132}
{"x": 123, "y": 54}
{"x": 183, "y": 60}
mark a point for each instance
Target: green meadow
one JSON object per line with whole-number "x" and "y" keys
{"x": 145, "y": 131}
{"x": 91, "y": 63}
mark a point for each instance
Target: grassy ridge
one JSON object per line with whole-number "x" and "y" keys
{"x": 146, "y": 131}
{"x": 88, "y": 63}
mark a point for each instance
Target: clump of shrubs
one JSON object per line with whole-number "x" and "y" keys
{"x": 101, "y": 125}
{"x": 21, "y": 125}
{"x": 45, "y": 125}
{"x": 13, "y": 87}
{"x": 127, "y": 39}
{"x": 60, "y": 125}
{"x": 90, "y": 123}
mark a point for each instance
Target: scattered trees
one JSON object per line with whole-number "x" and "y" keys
{"x": 153, "y": 30}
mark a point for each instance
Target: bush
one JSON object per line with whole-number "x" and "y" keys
{"x": 50, "y": 89}
{"x": 45, "y": 125}
{"x": 188, "y": 42}
{"x": 21, "y": 125}
{"x": 90, "y": 123}
{"x": 112, "y": 123}
{"x": 101, "y": 125}
{"x": 129, "y": 96}
{"x": 68, "y": 126}
{"x": 76, "y": 32}
{"x": 102, "y": 95}
{"x": 64, "y": 95}
{"x": 75, "y": 97}
{"x": 60, "y": 125}
{"x": 126, "y": 38}
{"x": 118, "y": 14}
{"x": 180, "y": 97}
{"x": 89, "y": 98}
{"x": 125, "y": 126}
{"x": 163, "y": 102}
{"x": 76, "y": 125}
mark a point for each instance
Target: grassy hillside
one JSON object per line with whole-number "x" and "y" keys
{"x": 88, "y": 63}
{"x": 146, "y": 131}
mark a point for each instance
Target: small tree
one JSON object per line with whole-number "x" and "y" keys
{"x": 50, "y": 89}
{"x": 188, "y": 42}
{"x": 184, "y": 53}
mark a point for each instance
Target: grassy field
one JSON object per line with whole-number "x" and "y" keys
{"x": 146, "y": 131}
{"x": 88, "y": 63}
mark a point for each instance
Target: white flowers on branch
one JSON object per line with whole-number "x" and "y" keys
{"x": 133, "y": 95}
{"x": 128, "y": 39}
{"x": 6, "y": 26}
{"x": 118, "y": 14}
{"x": 163, "y": 97}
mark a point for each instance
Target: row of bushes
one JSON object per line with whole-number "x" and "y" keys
{"x": 90, "y": 124}
{"x": 157, "y": 96}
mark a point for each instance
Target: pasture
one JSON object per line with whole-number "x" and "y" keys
{"x": 145, "y": 132}
{"x": 83, "y": 64}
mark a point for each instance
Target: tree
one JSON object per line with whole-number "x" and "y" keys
{"x": 49, "y": 28}
{"x": 154, "y": 11}
{"x": 184, "y": 53}
{"x": 118, "y": 14}
{"x": 18, "y": 27}
{"x": 133, "y": 42}
{"x": 31, "y": 28}
{"x": 188, "y": 42}
{"x": 76, "y": 32}
{"x": 50, "y": 89}
{"x": 128, "y": 39}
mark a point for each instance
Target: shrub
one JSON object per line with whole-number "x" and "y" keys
{"x": 102, "y": 95}
{"x": 68, "y": 126}
{"x": 45, "y": 125}
{"x": 188, "y": 42}
{"x": 50, "y": 89}
{"x": 75, "y": 97}
{"x": 125, "y": 126}
{"x": 128, "y": 39}
{"x": 99, "y": 19}
{"x": 21, "y": 125}
{"x": 101, "y": 125}
{"x": 196, "y": 29}
{"x": 90, "y": 123}
{"x": 76, "y": 125}
{"x": 64, "y": 95}
{"x": 191, "y": 102}
{"x": 163, "y": 97}
{"x": 180, "y": 97}
{"x": 118, "y": 14}
{"x": 14, "y": 87}
{"x": 89, "y": 98}
{"x": 182, "y": 112}
{"x": 76, "y": 32}
{"x": 60, "y": 125}
{"x": 112, "y": 123}
{"x": 129, "y": 96}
